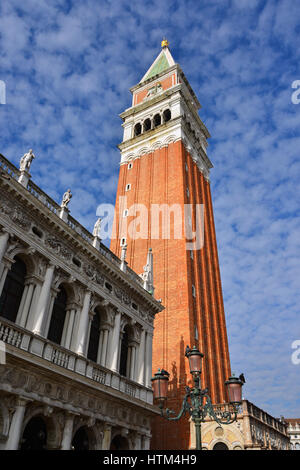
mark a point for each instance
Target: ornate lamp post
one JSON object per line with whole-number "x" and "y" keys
{"x": 196, "y": 401}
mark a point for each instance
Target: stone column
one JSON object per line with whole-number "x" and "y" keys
{"x": 4, "y": 236}
{"x": 106, "y": 437}
{"x": 104, "y": 348}
{"x": 148, "y": 359}
{"x": 138, "y": 442}
{"x": 70, "y": 328}
{"x": 73, "y": 344}
{"x": 50, "y": 309}
{"x": 83, "y": 324}
{"x": 141, "y": 360}
{"x": 25, "y": 304}
{"x": 88, "y": 334}
{"x": 21, "y": 306}
{"x": 68, "y": 432}
{"x": 41, "y": 308}
{"x": 132, "y": 362}
{"x": 16, "y": 425}
{"x": 3, "y": 277}
{"x": 100, "y": 346}
{"x": 114, "y": 350}
{"x": 65, "y": 328}
{"x": 119, "y": 352}
{"x": 128, "y": 363}
{"x": 146, "y": 442}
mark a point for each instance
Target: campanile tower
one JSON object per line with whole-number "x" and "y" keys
{"x": 164, "y": 172}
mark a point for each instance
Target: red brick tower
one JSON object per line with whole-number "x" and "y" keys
{"x": 164, "y": 166}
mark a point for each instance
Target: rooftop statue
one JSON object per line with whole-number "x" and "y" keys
{"x": 26, "y": 161}
{"x": 66, "y": 198}
{"x": 97, "y": 227}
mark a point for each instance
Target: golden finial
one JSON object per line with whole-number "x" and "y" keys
{"x": 164, "y": 43}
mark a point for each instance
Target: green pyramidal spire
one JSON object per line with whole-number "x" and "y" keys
{"x": 162, "y": 63}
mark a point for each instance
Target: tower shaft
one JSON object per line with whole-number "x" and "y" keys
{"x": 163, "y": 193}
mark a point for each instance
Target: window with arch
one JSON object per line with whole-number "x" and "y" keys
{"x": 157, "y": 120}
{"x": 130, "y": 165}
{"x": 167, "y": 115}
{"x": 94, "y": 336}
{"x": 13, "y": 290}
{"x": 58, "y": 316}
{"x": 137, "y": 129}
{"x": 147, "y": 125}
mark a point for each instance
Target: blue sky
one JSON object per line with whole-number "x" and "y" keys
{"x": 68, "y": 67}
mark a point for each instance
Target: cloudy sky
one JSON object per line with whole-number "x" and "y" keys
{"x": 68, "y": 66}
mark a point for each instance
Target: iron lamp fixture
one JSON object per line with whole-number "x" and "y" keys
{"x": 196, "y": 402}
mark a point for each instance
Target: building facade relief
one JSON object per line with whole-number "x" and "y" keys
{"x": 74, "y": 326}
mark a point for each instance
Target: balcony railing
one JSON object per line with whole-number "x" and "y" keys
{"x": 9, "y": 168}
{"x": 27, "y": 341}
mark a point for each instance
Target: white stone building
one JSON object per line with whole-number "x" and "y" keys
{"x": 294, "y": 432}
{"x": 254, "y": 429}
{"x": 76, "y": 328}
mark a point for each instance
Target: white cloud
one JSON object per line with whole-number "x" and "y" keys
{"x": 68, "y": 67}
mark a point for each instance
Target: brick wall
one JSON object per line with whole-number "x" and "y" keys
{"x": 157, "y": 178}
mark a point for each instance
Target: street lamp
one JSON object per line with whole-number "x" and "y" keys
{"x": 196, "y": 400}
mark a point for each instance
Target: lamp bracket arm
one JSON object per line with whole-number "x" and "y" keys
{"x": 182, "y": 412}
{"x": 225, "y": 417}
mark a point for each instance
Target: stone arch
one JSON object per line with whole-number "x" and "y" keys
{"x": 85, "y": 437}
{"x": 13, "y": 289}
{"x": 119, "y": 441}
{"x": 170, "y": 139}
{"x": 53, "y": 427}
{"x": 220, "y": 445}
{"x": 156, "y": 146}
{"x": 103, "y": 307}
{"x": 212, "y": 433}
{"x": 70, "y": 290}
{"x": 143, "y": 151}
{"x": 28, "y": 255}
